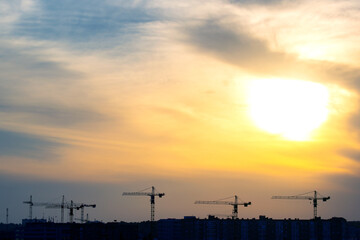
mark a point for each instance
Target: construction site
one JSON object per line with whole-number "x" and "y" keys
{"x": 214, "y": 227}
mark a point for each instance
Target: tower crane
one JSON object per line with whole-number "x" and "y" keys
{"x": 152, "y": 195}
{"x": 68, "y": 205}
{"x": 63, "y": 205}
{"x": 306, "y": 196}
{"x": 46, "y": 205}
{"x": 82, "y": 206}
{"x": 33, "y": 204}
{"x": 235, "y": 204}
{"x": 71, "y": 206}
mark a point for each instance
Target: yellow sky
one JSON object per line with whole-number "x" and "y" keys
{"x": 166, "y": 97}
{"x": 179, "y": 114}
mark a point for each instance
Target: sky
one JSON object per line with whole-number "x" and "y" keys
{"x": 201, "y": 99}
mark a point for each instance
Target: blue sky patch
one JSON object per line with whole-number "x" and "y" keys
{"x": 80, "y": 20}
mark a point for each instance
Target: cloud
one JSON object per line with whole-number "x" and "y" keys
{"x": 16, "y": 144}
{"x": 346, "y": 184}
{"x": 237, "y": 48}
{"x": 21, "y": 65}
{"x": 260, "y": 2}
{"x": 240, "y": 48}
{"x": 355, "y": 123}
{"x": 40, "y": 90}
{"x": 10, "y": 11}
{"x": 351, "y": 153}
{"x": 218, "y": 39}
{"x": 53, "y": 115}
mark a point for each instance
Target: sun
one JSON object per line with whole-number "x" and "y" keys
{"x": 290, "y": 108}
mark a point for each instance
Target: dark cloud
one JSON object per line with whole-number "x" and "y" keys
{"x": 81, "y": 20}
{"x": 237, "y": 48}
{"x": 53, "y": 115}
{"x": 241, "y": 49}
{"x": 19, "y": 65}
{"x": 28, "y": 146}
{"x": 355, "y": 124}
{"x": 342, "y": 74}
{"x": 351, "y": 153}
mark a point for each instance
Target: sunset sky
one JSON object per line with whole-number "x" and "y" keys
{"x": 201, "y": 99}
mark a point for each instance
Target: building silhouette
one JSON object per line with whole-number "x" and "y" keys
{"x": 188, "y": 228}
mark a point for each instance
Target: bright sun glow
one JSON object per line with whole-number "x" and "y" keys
{"x": 291, "y": 108}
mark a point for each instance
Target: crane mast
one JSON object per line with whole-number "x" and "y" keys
{"x": 62, "y": 208}
{"x": 305, "y": 196}
{"x": 30, "y": 202}
{"x": 235, "y": 204}
{"x": 152, "y": 195}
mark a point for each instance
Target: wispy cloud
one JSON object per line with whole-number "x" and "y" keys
{"x": 242, "y": 49}
{"x": 40, "y": 90}
{"x": 12, "y": 10}
{"x": 26, "y": 146}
